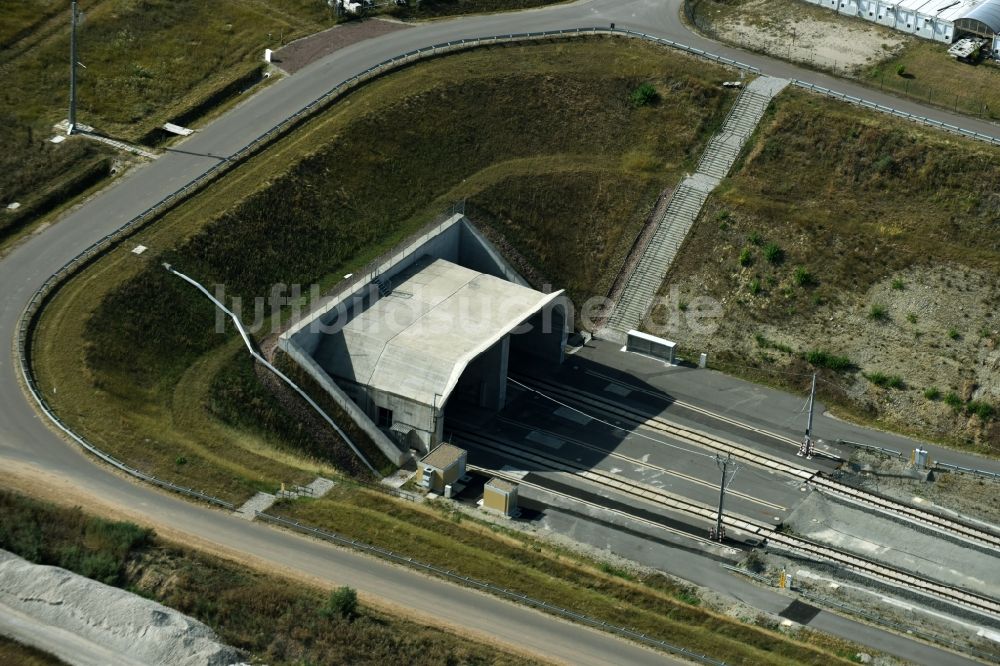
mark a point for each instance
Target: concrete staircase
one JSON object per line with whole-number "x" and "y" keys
{"x": 685, "y": 205}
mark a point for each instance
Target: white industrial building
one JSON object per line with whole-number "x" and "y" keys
{"x": 940, "y": 20}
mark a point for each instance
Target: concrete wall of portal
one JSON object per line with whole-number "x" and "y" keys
{"x": 455, "y": 240}
{"x": 891, "y": 15}
{"x": 305, "y": 361}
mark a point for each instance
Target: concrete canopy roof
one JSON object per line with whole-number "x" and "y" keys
{"x": 417, "y": 341}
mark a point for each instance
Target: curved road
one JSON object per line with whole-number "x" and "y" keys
{"x": 29, "y": 448}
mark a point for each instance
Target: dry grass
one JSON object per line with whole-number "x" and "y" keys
{"x": 874, "y": 202}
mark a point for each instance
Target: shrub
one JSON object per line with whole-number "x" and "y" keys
{"x": 983, "y": 410}
{"x": 932, "y": 393}
{"x": 901, "y": 70}
{"x": 343, "y": 602}
{"x": 898, "y": 284}
{"x": 755, "y": 238}
{"x": 885, "y": 381}
{"x": 746, "y": 258}
{"x": 954, "y": 334}
{"x": 824, "y": 359}
{"x": 773, "y": 253}
{"x": 878, "y": 312}
{"x": 755, "y": 286}
{"x": 645, "y": 95}
{"x": 682, "y": 306}
{"x": 911, "y": 317}
{"x": 953, "y": 401}
{"x": 803, "y": 278}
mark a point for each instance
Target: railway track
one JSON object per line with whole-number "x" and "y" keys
{"x": 591, "y": 404}
{"x": 766, "y": 533}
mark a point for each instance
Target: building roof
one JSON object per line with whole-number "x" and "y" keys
{"x": 443, "y": 457}
{"x": 501, "y": 485}
{"x": 987, "y": 13}
{"x": 416, "y": 341}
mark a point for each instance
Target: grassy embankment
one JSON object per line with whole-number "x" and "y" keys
{"x": 651, "y": 603}
{"x": 928, "y": 73}
{"x": 275, "y": 620}
{"x": 128, "y": 353}
{"x": 146, "y": 63}
{"x": 881, "y": 251}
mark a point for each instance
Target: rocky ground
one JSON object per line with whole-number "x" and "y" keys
{"x": 938, "y": 335}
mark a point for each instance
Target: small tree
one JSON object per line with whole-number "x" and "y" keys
{"x": 901, "y": 70}
{"x": 645, "y": 95}
{"x": 343, "y": 602}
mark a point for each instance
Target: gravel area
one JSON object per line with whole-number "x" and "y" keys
{"x": 304, "y": 51}
{"x": 125, "y": 625}
{"x": 794, "y": 30}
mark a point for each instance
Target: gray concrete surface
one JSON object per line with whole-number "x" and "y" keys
{"x": 29, "y": 444}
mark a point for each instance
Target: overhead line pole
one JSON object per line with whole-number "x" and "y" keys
{"x": 719, "y": 533}
{"x": 806, "y": 448}
{"x": 72, "y": 71}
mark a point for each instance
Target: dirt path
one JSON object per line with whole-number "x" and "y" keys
{"x": 304, "y": 51}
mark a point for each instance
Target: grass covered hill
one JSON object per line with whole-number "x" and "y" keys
{"x": 871, "y": 240}
{"x": 128, "y": 353}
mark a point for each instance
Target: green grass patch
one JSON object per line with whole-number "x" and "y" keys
{"x": 824, "y": 359}
{"x": 566, "y": 195}
{"x": 651, "y": 603}
{"x": 932, "y": 393}
{"x": 275, "y": 620}
{"x": 885, "y": 381}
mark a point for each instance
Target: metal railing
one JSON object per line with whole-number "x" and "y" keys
{"x": 870, "y": 447}
{"x": 452, "y": 575}
{"x": 967, "y": 470}
{"x": 899, "y": 114}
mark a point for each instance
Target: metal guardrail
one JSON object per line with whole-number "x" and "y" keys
{"x": 937, "y": 463}
{"x": 449, "y": 574}
{"x": 870, "y": 447}
{"x": 967, "y": 470}
{"x": 746, "y": 572}
{"x": 979, "y": 136}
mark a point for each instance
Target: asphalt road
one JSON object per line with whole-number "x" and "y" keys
{"x": 24, "y": 438}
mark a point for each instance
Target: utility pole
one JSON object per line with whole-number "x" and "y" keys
{"x": 72, "y": 71}
{"x": 719, "y": 533}
{"x": 805, "y": 449}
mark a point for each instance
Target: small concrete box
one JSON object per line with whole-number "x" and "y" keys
{"x": 644, "y": 343}
{"x": 500, "y": 496}
{"x": 443, "y": 466}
